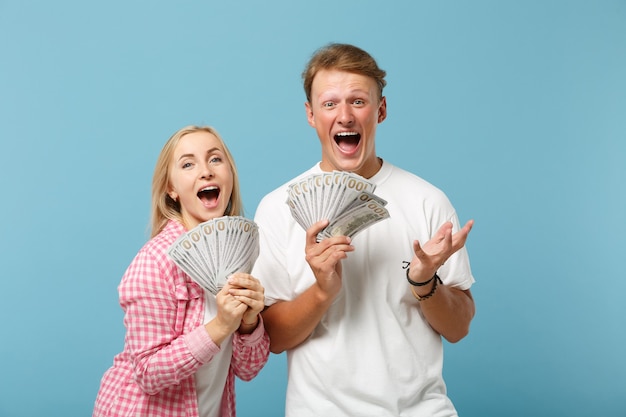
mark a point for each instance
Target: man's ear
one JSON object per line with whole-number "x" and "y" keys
{"x": 309, "y": 114}
{"x": 382, "y": 109}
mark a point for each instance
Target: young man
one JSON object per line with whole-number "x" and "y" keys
{"x": 362, "y": 320}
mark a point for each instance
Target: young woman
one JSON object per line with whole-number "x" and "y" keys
{"x": 183, "y": 346}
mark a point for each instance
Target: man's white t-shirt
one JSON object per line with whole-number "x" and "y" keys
{"x": 373, "y": 353}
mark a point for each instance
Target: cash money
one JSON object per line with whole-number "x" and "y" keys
{"x": 212, "y": 251}
{"x": 346, "y": 199}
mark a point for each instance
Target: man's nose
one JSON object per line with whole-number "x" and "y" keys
{"x": 346, "y": 117}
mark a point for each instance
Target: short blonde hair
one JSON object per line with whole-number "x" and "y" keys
{"x": 164, "y": 208}
{"x": 343, "y": 57}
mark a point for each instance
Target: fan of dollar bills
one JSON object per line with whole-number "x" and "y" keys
{"x": 346, "y": 199}
{"x": 215, "y": 249}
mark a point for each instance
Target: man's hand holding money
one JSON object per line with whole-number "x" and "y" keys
{"x": 325, "y": 257}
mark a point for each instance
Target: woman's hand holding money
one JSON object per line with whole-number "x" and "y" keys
{"x": 249, "y": 291}
{"x": 241, "y": 295}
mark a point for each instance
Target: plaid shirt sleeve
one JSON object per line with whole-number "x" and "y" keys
{"x": 155, "y": 310}
{"x": 250, "y": 352}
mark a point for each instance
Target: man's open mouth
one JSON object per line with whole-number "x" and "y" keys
{"x": 347, "y": 141}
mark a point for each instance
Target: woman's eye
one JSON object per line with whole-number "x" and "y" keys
{"x": 186, "y": 165}
{"x": 215, "y": 160}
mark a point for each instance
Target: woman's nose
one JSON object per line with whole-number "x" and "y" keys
{"x": 207, "y": 172}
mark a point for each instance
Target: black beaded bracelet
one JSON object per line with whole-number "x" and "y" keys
{"x": 432, "y": 290}
{"x": 418, "y": 284}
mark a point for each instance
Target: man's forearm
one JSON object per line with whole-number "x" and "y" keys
{"x": 449, "y": 312}
{"x": 290, "y": 323}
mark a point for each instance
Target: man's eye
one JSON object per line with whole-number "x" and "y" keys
{"x": 359, "y": 102}
{"x": 328, "y": 104}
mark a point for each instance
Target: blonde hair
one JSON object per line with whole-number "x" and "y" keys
{"x": 343, "y": 57}
{"x": 164, "y": 208}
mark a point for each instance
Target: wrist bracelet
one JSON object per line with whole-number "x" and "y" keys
{"x": 432, "y": 290}
{"x": 418, "y": 284}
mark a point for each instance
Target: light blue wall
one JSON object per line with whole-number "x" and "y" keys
{"x": 516, "y": 109}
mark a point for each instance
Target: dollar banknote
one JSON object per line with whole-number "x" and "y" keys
{"x": 212, "y": 251}
{"x": 346, "y": 199}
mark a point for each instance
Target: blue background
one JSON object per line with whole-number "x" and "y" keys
{"x": 517, "y": 110}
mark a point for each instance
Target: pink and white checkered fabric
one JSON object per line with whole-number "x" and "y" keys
{"x": 166, "y": 343}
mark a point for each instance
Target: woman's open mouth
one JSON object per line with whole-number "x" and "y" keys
{"x": 209, "y": 196}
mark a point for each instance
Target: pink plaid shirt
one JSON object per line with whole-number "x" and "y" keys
{"x": 166, "y": 341}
